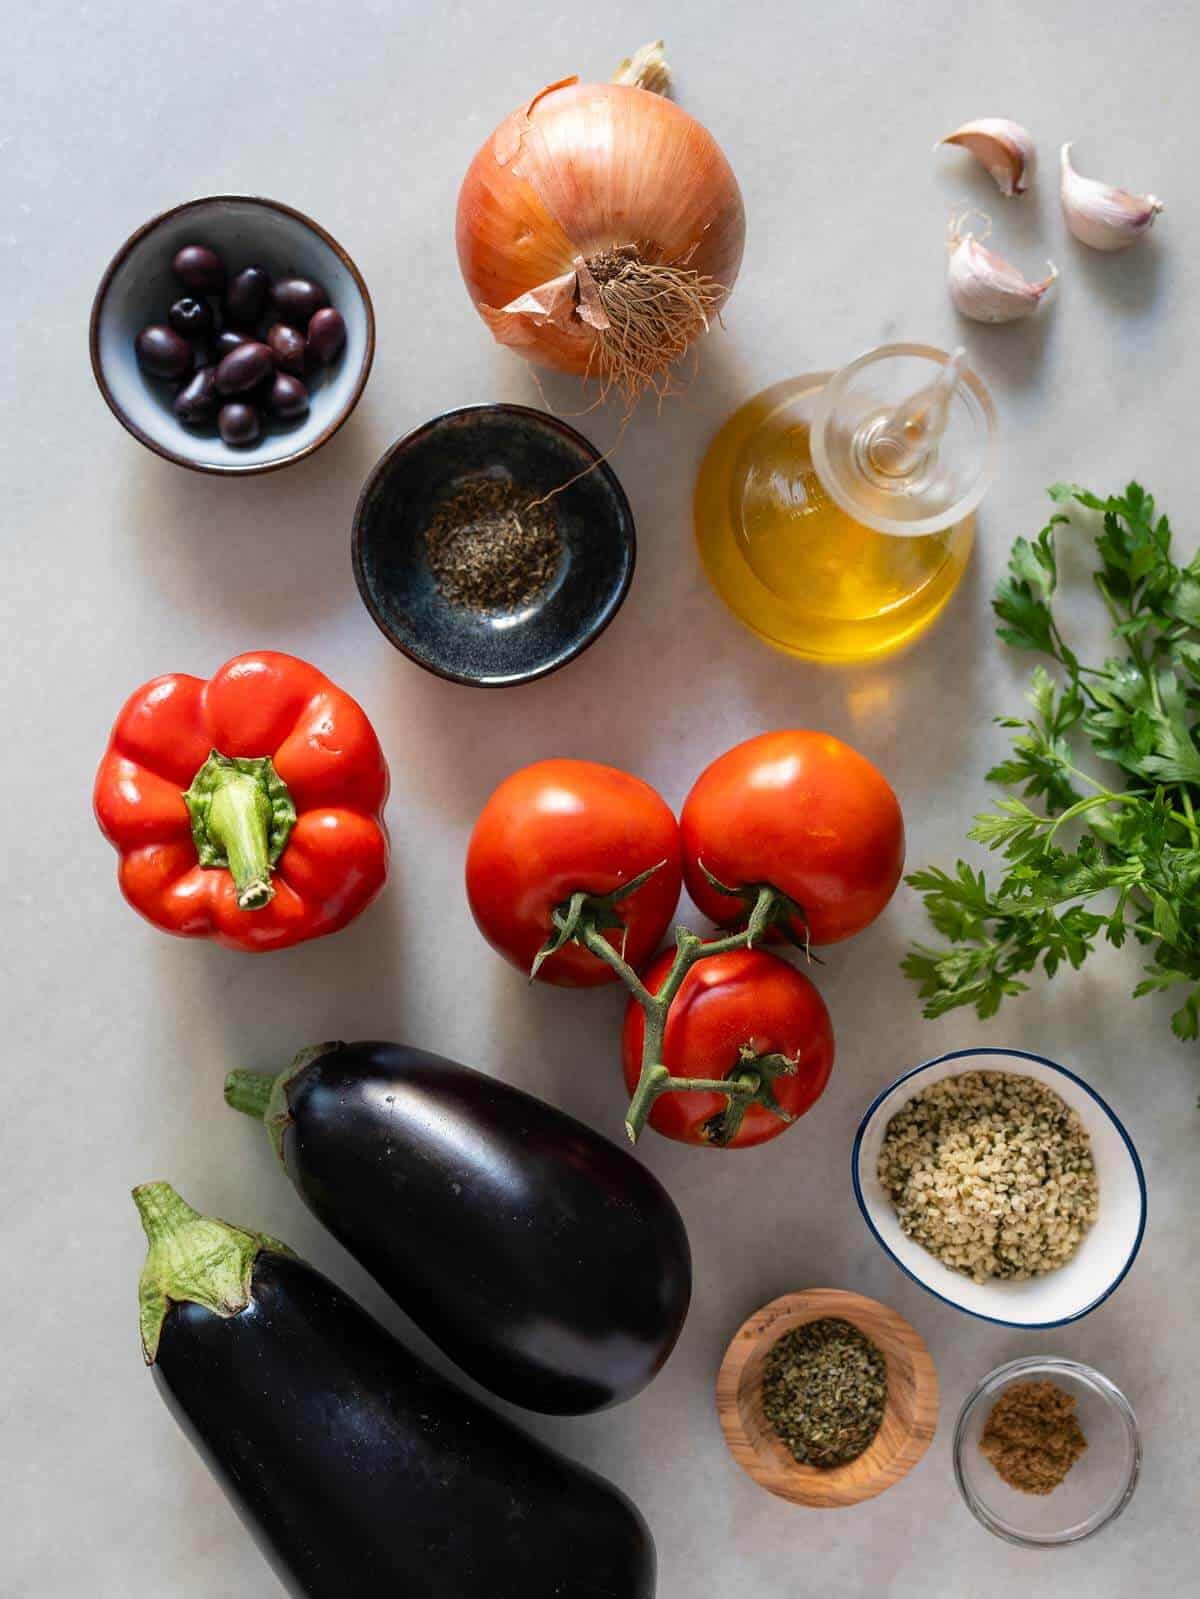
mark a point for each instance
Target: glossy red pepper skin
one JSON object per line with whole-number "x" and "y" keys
{"x": 323, "y": 748}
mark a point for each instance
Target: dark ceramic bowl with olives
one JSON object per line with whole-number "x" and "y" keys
{"x": 232, "y": 335}
{"x": 493, "y": 545}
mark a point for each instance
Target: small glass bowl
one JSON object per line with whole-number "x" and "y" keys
{"x": 1095, "y": 1490}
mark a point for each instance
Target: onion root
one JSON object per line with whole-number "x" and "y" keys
{"x": 652, "y": 312}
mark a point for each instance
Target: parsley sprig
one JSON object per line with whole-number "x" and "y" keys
{"x": 1131, "y": 864}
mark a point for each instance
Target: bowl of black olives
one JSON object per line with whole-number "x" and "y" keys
{"x": 232, "y": 335}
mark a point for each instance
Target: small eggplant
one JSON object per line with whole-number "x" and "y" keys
{"x": 355, "y": 1466}
{"x": 548, "y": 1263}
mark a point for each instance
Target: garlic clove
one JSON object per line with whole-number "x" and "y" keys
{"x": 986, "y": 287}
{"x": 1005, "y": 148}
{"x": 1099, "y": 215}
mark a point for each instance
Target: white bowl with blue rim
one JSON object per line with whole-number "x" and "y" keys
{"x": 1108, "y": 1248}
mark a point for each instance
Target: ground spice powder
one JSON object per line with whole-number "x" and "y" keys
{"x": 824, "y": 1391}
{"x": 1033, "y": 1436}
{"x": 492, "y": 549}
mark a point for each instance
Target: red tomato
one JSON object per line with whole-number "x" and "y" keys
{"x": 805, "y": 813}
{"x": 559, "y": 826}
{"x": 746, "y": 998}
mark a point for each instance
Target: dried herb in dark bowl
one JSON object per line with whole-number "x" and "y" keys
{"x": 824, "y": 1391}
{"x": 492, "y": 546}
{"x": 526, "y": 601}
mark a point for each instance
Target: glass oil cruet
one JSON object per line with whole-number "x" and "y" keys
{"x": 835, "y": 511}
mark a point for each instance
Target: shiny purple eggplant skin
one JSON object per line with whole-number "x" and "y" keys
{"x": 546, "y": 1261}
{"x": 360, "y": 1471}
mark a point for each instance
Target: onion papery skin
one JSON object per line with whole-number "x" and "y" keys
{"x": 582, "y": 169}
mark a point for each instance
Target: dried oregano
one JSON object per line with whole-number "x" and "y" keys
{"x": 824, "y": 1391}
{"x": 492, "y": 548}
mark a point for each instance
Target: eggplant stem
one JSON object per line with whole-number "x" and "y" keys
{"x": 191, "y": 1258}
{"x": 264, "y": 1095}
{"x": 249, "y": 1092}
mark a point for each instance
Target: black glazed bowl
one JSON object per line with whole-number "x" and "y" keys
{"x": 422, "y": 469}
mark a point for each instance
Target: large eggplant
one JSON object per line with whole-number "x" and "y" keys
{"x": 544, "y": 1260}
{"x": 357, "y": 1468}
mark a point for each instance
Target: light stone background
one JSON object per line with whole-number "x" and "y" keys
{"x": 119, "y": 566}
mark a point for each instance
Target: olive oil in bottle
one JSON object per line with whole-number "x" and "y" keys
{"x": 834, "y": 512}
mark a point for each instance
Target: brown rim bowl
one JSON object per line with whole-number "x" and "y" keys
{"x": 138, "y": 287}
{"x": 909, "y": 1419}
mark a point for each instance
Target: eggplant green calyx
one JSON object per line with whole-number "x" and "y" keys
{"x": 264, "y": 1095}
{"x": 242, "y": 816}
{"x": 191, "y": 1258}
{"x": 584, "y": 913}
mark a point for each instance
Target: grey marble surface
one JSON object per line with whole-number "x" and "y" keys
{"x": 118, "y": 566}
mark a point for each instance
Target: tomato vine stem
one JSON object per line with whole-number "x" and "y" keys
{"x": 753, "y": 1083}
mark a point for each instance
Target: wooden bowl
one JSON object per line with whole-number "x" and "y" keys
{"x": 909, "y": 1418}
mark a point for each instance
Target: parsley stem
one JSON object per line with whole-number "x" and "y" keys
{"x": 1089, "y": 804}
{"x": 1188, "y": 820}
{"x": 1107, "y": 796}
{"x": 1102, "y": 792}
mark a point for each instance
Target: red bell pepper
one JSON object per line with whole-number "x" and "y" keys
{"x": 246, "y": 809}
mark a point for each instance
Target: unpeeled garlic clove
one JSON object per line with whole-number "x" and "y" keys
{"x": 987, "y": 288}
{"x": 1005, "y": 149}
{"x": 1104, "y": 217}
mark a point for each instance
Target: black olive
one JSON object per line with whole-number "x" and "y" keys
{"x": 238, "y": 423}
{"x": 196, "y": 402}
{"x": 289, "y": 397}
{"x": 287, "y": 345}
{"x": 244, "y": 367}
{"x": 162, "y": 352}
{"x": 297, "y": 299}
{"x": 326, "y": 336}
{"x": 191, "y": 317}
{"x": 247, "y": 295}
{"x": 200, "y": 269}
{"x": 229, "y": 339}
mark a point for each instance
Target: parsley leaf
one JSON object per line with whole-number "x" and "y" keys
{"x": 1065, "y": 839}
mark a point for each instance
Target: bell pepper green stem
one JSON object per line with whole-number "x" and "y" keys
{"x": 242, "y": 816}
{"x": 238, "y": 821}
{"x": 191, "y": 1258}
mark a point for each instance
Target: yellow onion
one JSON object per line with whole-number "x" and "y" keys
{"x": 600, "y": 229}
